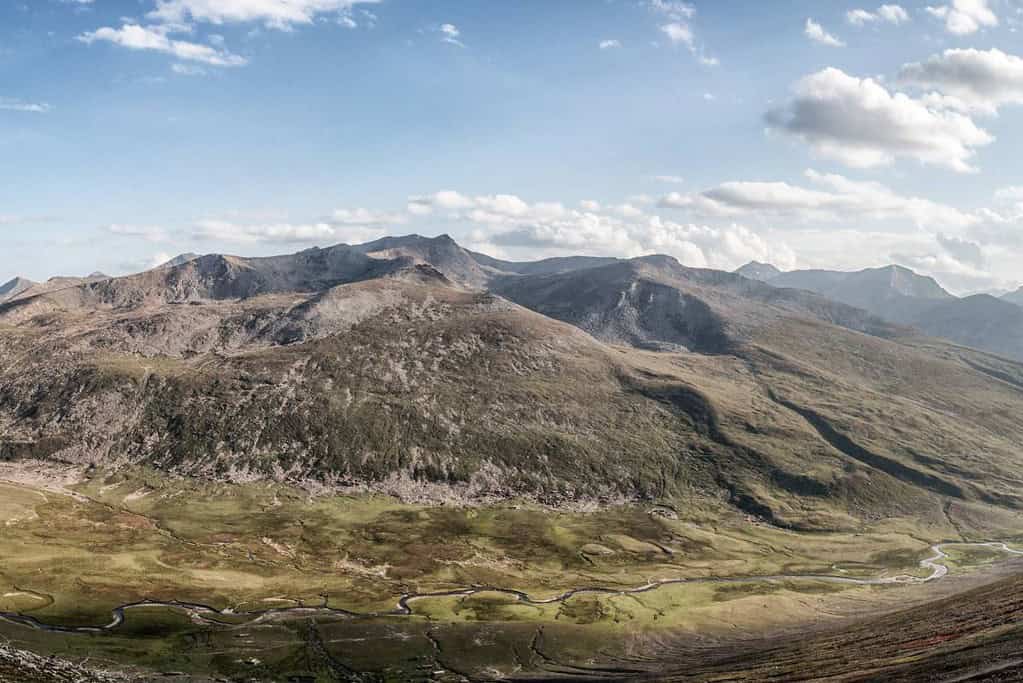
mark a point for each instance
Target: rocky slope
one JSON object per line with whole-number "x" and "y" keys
{"x": 20, "y": 666}
{"x": 972, "y": 636}
{"x": 14, "y": 287}
{"x": 372, "y": 367}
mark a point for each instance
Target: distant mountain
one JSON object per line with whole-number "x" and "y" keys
{"x": 879, "y": 290}
{"x": 13, "y": 288}
{"x": 54, "y": 284}
{"x": 1014, "y": 297}
{"x": 654, "y": 302}
{"x": 903, "y": 297}
{"x": 755, "y": 270}
{"x": 548, "y": 266}
{"x": 980, "y": 321}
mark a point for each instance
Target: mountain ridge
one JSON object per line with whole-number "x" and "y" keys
{"x": 901, "y": 296}
{"x": 367, "y": 367}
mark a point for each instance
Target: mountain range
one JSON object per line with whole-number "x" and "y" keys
{"x": 903, "y": 297}
{"x": 415, "y": 367}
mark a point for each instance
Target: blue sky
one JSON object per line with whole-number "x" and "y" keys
{"x": 809, "y": 134}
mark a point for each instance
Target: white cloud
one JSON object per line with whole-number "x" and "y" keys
{"x": 275, "y": 14}
{"x": 227, "y": 231}
{"x": 970, "y": 80}
{"x": 149, "y": 233}
{"x": 678, "y": 29}
{"x": 678, "y": 33}
{"x": 609, "y": 44}
{"x": 366, "y": 217}
{"x": 1012, "y": 193}
{"x": 343, "y": 225}
{"x": 859, "y": 17}
{"x": 7, "y": 104}
{"x": 673, "y": 10}
{"x": 670, "y": 179}
{"x": 817, "y": 34}
{"x": 187, "y": 69}
{"x": 892, "y": 14}
{"x": 156, "y": 38}
{"x": 450, "y": 34}
{"x": 964, "y": 17}
{"x": 506, "y": 222}
{"x": 158, "y": 259}
{"x": 861, "y": 124}
{"x": 834, "y": 198}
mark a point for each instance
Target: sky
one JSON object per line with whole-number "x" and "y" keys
{"x": 808, "y": 134}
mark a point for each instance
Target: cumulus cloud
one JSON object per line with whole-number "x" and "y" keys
{"x": 817, "y": 34}
{"x": 156, "y": 38}
{"x": 504, "y": 222}
{"x": 8, "y": 104}
{"x": 609, "y": 44}
{"x": 834, "y": 197}
{"x": 343, "y": 225}
{"x": 969, "y": 80}
{"x": 891, "y": 14}
{"x": 861, "y": 124}
{"x": 274, "y": 14}
{"x": 228, "y": 231}
{"x": 962, "y": 250}
{"x": 964, "y": 17}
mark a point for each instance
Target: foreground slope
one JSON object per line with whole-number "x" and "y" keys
{"x": 972, "y": 636}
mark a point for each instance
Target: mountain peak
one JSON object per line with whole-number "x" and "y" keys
{"x": 756, "y": 270}
{"x": 907, "y": 282}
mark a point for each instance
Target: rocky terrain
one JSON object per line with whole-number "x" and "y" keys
{"x": 412, "y": 366}
{"x": 20, "y": 666}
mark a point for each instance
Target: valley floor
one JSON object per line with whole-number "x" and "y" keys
{"x": 134, "y": 571}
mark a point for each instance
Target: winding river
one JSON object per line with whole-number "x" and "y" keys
{"x": 404, "y": 607}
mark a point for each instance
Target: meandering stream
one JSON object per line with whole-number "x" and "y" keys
{"x": 404, "y": 606}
